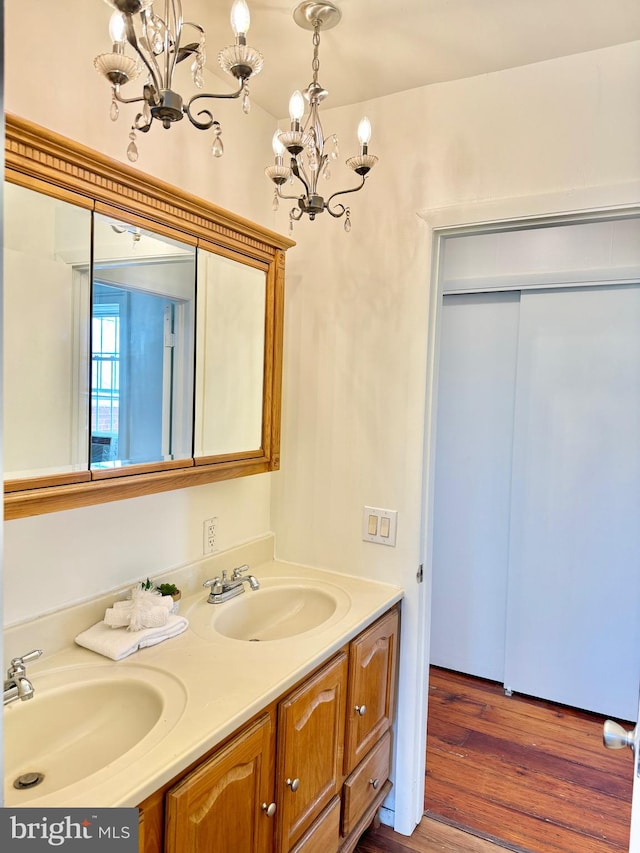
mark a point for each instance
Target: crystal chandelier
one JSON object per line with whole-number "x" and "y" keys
{"x": 310, "y": 151}
{"x": 157, "y": 42}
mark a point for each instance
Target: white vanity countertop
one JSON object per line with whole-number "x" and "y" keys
{"x": 225, "y": 682}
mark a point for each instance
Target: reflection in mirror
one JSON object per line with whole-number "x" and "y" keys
{"x": 142, "y": 317}
{"x": 230, "y": 360}
{"x": 47, "y": 251}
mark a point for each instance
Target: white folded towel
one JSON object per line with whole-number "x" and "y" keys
{"x": 116, "y": 643}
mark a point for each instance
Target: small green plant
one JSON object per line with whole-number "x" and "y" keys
{"x": 148, "y": 584}
{"x": 167, "y": 589}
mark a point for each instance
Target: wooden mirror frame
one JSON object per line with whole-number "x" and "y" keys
{"x": 44, "y": 161}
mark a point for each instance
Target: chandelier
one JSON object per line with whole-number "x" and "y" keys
{"x": 310, "y": 151}
{"x": 156, "y": 40}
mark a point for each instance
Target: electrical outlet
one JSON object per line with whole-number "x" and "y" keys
{"x": 209, "y": 527}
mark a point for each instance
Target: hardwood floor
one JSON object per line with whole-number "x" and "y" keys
{"x": 430, "y": 836}
{"x": 523, "y": 770}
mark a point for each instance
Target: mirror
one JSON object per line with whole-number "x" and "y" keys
{"x": 230, "y": 362}
{"x": 142, "y": 332}
{"x": 142, "y": 345}
{"x": 46, "y": 263}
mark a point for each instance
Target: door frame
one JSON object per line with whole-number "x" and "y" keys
{"x": 526, "y": 211}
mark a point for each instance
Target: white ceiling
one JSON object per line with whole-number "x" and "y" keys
{"x": 386, "y": 46}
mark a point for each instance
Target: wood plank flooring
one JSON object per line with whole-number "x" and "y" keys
{"x": 523, "y": 770}
{"x": 430, "y": 836}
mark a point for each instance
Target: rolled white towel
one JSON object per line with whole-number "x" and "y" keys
{"x": 152, "y": 598}
{"x": 117, "y": 618}
{"x": 118, "y": 644}
{"x": 135, "y": 618}
{"x": 143, "y": 609}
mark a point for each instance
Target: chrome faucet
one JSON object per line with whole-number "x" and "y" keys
{"x": 223, "y": 588}
{"x": 17, "y": 685}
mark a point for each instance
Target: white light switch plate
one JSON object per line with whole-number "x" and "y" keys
{"x": 379, "y": 525}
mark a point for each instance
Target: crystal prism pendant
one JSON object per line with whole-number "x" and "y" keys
{"x": 196, "y": 71}
{"x": 347, "y": 221}
{"x": 132, "y": 149}
{"x": 246, "y": 102}
{"x": 114, "y": 112}
{"x": 276, "y": 202}
{"x": 217, "y": 148}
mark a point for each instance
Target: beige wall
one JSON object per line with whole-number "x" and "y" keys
{"x": 357, "y": 309}
{"x": 357, "y": 314}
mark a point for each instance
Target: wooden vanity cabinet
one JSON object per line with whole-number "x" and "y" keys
{"x": 224, "y": 804}
{"x": 306, "y": 776}
{"x": 310, "y": 751}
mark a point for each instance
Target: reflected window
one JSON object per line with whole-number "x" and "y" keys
{"x": 105, "y": 381}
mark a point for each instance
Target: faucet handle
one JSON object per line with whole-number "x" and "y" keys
{"x": 19, "y": 662}
{"x": 216, "y": 583}
{"x": 237, "y": 572}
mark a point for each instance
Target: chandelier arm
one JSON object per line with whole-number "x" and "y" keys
{"x": 300, "y": 174}
{"x": 133, "y": 41}
{"x": 232, "y": 95}
{"x": 188, "y": 50}
{"x": 288, "y": 197}
{"x": 171, "y": 56}
{"x": 121, "y": 100}
{"x": 205, "y": 125}
{"x": 342, "y": 192}
{"x": 201, "y": 125}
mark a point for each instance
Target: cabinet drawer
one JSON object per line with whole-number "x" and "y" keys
{"x": 324, "y": 835}
{"x": 362, "y": 787}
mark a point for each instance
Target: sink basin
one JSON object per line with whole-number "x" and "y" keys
{"x": 83, "y": 720}
{"x": 278, "y": 610}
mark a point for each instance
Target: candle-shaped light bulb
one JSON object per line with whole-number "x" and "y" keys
{"x": 117, "y": 28}
{"x": 276, "y": 144}
{"x": 296, "y": 109}
{"x": 364, "y": 133}
{"x": 240, "y": 18}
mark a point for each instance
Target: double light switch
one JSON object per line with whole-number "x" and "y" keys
{"x": 379, "y": 525}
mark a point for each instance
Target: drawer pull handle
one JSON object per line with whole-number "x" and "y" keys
{"x": 375, "y": 783}
{"x": 294, "y": 784}
{"x": 361, "y": 710}
{"x": 269, "y": 810}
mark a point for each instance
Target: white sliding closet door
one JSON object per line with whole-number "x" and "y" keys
{"x": 573, "y": 608}
{"x": 476, "y": 389}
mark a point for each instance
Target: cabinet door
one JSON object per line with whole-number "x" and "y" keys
{"x": 310, "y": 750}
{"x": 372, "y": 679}
{"x": 218, "y": 807}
